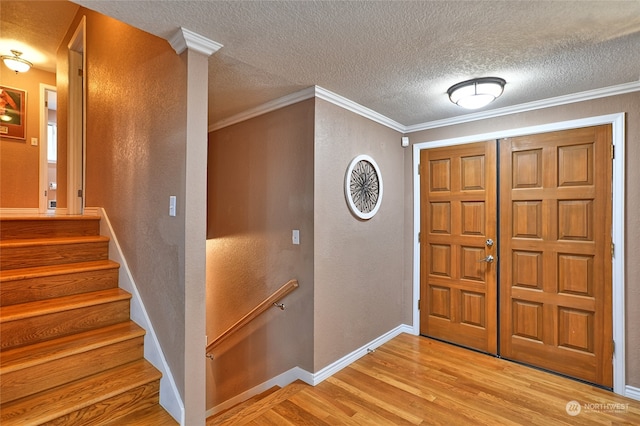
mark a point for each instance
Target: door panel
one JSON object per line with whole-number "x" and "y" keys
{"x": 555, "y": 213}
{"x": 458, "y": 204}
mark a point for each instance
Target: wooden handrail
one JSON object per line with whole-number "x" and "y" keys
{"x": 255, "y": 312}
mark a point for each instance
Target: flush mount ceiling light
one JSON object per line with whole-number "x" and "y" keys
{"x": 476, "y": 93}
{"x": 16, "y": 63}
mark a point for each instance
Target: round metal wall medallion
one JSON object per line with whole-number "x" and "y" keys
{"x": 363, "y": 187}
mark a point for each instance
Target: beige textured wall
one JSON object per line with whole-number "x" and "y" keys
{"x": 359, "y": 269}
{"x": 260, "y": 189}
{"x": 19, "y": 161}
{"x": 135, "y": 159}
{"x": 629, "y": 103}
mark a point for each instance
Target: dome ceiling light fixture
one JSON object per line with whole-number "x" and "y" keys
{"x": 16, "y": 63}
{"x": 476, "y": 93}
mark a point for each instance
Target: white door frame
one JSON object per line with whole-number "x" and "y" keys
{"x": 76, "y": 130}
{"x": 617, "y": 122}
{"x": 43, "y": 170}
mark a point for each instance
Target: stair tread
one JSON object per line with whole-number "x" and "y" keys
{"x": 242, "y": 405}
{"x": 27, "y": 356}
{"x": 50, "y": 404}
{"x": 48, "y": 241}
{"x": 248, "y": 412}
{"x": 48, "y": 306}
{"x": 155, "y": 415}
{"x": 65, "y": 268}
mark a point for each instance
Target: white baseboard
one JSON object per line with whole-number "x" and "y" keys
{"x": 282, "y": 380}
{"x": 60, "y": 211}
{"x": 169, "y": 395}
{"x": 312, "y": 379}
{"x": 632, "y": 392}
{"x": 19, "y": 212}
{"x": 333, "y": 368}
{"x": 91, "y": 211}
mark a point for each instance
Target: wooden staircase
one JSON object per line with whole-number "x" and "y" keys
{"x": 69, "y": 353}
{"x": 253, "y": 407}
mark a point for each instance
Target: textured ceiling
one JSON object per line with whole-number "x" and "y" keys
{"x": 35, "y": 28}
{"x": 398, "y": 58}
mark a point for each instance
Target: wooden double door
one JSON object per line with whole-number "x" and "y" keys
{"x": 516, "y": 249}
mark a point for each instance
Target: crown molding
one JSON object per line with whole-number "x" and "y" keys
{"x": 324, "y": 94}
{"x": 308, "y": 93}
{"x": 347, "y": 104}
{"x": 273, "y": 105}
{"x": 185, "y": 39}
{"x": 530, "y": 106}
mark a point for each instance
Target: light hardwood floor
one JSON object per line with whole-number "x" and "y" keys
{"x": 418, "y": 381}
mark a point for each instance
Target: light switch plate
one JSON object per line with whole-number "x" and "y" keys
{"x": 295, "y": 236}
{"x": 172, "y": 205}
{"x": 34, "y": 141}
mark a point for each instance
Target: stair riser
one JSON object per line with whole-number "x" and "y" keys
{"x": 46, "y": 327}
{"x": 45, "y": 255}
{"x": 112, "y": 408}
{"x": 42, "y": 228}
{"x": 49, "y": 287}
{"x": 31, "y": 380}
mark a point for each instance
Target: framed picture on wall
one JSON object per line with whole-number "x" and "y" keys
{"x": 13, "y": 104}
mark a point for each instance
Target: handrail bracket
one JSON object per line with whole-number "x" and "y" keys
{"x": 272, "y": 300}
